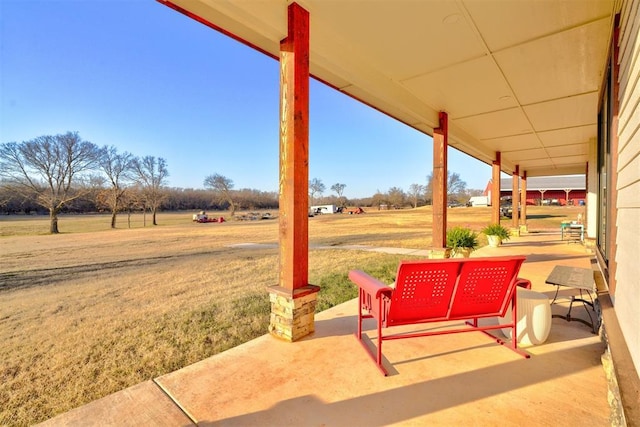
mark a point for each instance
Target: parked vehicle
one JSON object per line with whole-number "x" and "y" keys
{"x": 506, "y": 209}
{"x": 202, "y": 217}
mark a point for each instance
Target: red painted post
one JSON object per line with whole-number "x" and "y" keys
{"x": 515, "y": 198}
{"x": 523, "y": 200}
{"x": 294, "y": 151}
{"x": 293, "y": 301}
{"x": 439, "y": 182}
{"x": 495, "y": 189}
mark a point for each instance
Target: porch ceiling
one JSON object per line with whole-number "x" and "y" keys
{"x": 517, "y": 77}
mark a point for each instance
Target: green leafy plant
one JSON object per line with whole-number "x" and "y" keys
{"x": 459, "y": 238}
{"x": 496, "y": 230}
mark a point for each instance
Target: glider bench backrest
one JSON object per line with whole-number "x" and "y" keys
{"x": 441, "y": 290}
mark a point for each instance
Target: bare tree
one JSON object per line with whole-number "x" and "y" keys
{"x": 118, "y": 168}
{"x": 133, "y": 200}
{"x": 396, "y": 197}
{"x": 151, "y": 174}
{"x": 455, "y": 185}
{"x": 222, "y": 186}
{"x": 378, "y": 199}
{"x": 15, "y": 201}
{"x": 415, "y": 190}
{"x": 315, "y": 187}
{"x": 339, "y": 189}
{"x": 51, "y": 167}
{"x": 5, "y": 198}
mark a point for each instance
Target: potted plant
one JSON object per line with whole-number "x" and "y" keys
{"x": 462, "y": 241}
{"x": 496, "y": 234}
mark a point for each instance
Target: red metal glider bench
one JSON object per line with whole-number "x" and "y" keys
{"x": 455, "y": 289}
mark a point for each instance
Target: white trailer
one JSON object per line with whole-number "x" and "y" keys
{"x": 479, "y": 201}
{"x": 323, "y": 209}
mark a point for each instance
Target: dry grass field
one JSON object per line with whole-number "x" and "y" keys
{"x": 92, "y": 310}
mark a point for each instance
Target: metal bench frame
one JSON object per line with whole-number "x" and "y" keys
{"x": 459, "y": 289}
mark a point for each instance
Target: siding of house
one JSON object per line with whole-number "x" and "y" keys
{"x": 627, "y": 296}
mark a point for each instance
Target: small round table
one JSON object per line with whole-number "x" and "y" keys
{"x": 534, "y": 318}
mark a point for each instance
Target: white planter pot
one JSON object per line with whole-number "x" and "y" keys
{"x": 494, "y": 241}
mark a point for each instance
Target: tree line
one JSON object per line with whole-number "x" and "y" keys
{"x": 395, "y": 198}
{"x": 60, "y": 172}
{"x": 66, "y": 174}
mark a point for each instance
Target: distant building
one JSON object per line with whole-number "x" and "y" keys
{"x": 551, "y": 190}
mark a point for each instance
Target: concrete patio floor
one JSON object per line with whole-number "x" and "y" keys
{"x": 327, "y": 379}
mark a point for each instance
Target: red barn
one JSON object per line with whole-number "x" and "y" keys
{"x": 551, "y": 190}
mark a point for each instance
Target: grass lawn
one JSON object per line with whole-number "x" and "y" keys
{"x": 92, "y": 310}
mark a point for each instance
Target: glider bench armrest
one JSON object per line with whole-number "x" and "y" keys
{"x": 523, "y": 283}
{"x": 369, "y": 285}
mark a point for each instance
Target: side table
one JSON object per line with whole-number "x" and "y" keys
{"x": 576, "y": 278}
{"x": 572, "y": 232}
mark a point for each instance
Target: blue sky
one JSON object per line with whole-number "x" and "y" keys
{"x": 148, "y": 80}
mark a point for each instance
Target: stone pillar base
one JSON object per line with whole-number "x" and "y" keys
{"x": 514, "y": 232}
{"x": 524, "y": 228}
{"x": 440, "y": 253}
{"x": 292, "y": 311}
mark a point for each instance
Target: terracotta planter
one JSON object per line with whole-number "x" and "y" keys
{"x": 494, "y": 241}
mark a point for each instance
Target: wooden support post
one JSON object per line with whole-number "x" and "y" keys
{"x": 289, "y": 319}
{"x": 439, "y": 187}
{"x": 515, "y": 200}
{"x": 523, "y": 202}
{"x": 495, "y": 189}
{"x": 542, "y": 197}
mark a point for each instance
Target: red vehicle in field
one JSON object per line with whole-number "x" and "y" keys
{"x": 203, "y": 217}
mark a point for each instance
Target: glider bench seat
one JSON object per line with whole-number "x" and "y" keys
{"x": 454, "y": 289}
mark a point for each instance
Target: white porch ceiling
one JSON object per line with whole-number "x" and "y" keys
{"x": 519, "y": 77}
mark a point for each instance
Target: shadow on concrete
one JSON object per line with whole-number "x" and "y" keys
{"x": 424, "y": 397}
{"x": 545, "y": 216}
